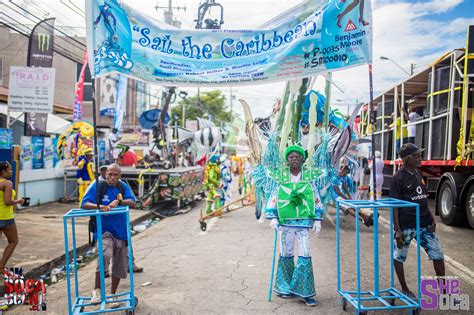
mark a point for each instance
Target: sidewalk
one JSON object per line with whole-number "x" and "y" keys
{"x": 41, "y": 237}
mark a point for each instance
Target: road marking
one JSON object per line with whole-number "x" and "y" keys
{"x": 458, "y": 268}
{"x": 210, "y": 224}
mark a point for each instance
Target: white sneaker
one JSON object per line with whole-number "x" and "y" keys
{"x": 112, "y": 302}
{"x": 96, "y": 296}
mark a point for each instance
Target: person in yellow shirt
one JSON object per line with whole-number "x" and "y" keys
{"x": 399, "y": 132}
{"x": 85, "y": 174}
{"x": 7, "y": 201}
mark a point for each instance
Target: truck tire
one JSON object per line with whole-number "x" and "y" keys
{"x": 445, "y": 202}
{"x": 470, "y": 206}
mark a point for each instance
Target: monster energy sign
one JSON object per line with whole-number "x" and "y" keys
{"x": 40, "y": 47}
{"x": 40, "y": 54}
{"x": 43, "y": 42}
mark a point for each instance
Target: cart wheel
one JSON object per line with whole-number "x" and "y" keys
{"x": 344, "y": 304}
{"x": 203, "y": 226}
{"x": 415, "y": 311}
{"x": 136, "y": 301}
{"x": 130, "y": 312}
{"x": 363, "y": 313}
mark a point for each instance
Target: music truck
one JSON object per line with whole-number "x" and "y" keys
{"x": 442, "y": 95}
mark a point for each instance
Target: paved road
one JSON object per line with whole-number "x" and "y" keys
{"x": 226, "y": 270}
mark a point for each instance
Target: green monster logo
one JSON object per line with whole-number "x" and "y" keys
{"x": 43, "y": 42}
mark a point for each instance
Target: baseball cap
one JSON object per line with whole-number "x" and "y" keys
{"x": 103, "y": 166}
{"x": 409, "y": 149}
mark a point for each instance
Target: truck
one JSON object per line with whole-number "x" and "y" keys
{"x": 442, "y": 95}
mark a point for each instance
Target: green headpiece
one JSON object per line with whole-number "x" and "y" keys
{"x": 295, "y": 148}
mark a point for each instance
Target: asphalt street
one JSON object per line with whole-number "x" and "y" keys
{"x": 226, "y": 269}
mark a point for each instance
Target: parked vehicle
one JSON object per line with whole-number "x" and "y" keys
{"x": 442, "y": 95}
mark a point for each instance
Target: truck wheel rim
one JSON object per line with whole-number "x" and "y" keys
{"x": 471, "y": 206}
{"x": 446, "y": 202}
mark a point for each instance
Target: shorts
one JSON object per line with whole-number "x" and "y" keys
{"x": 117, "y": 251}
{"x": 6, "y": 223}
{"x": 428, "y": 240}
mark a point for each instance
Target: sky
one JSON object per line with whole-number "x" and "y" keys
{"x": 407, "y": 31}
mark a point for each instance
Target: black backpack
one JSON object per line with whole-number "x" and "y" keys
{"x": 102, "y": 190}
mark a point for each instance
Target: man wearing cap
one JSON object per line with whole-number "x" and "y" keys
{"x": 85, "y": 173}
{"x": 294, "y": 210}
{"x": 103, "y": 172}
{"x": 408, "y": 185}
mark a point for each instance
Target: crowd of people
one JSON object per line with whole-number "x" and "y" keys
{"x": 292, "y": 279}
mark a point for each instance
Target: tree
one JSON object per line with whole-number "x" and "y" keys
{"x": 210, "y": 103}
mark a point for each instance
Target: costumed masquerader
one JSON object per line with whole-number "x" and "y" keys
{"x": 379, "y": 165}
{"x": 212, "y": 183}
{"x": 295, "y": 193}
{"x": 226, "y": 179}
{"x": 364, "y": 180}
{"x": 295, "y": 210}
{"x": 85, "y": 173}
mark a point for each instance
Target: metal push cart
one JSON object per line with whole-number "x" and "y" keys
{"x": 127, "y": 298}
{"x": 385, "y": 297}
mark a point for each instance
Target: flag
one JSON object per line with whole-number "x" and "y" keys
{"x": 40, "y": 54}
{"x": 120, "y": 101}
{"x": 77, "y": 115}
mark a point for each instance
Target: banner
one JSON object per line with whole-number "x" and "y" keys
{"x": 120, "y": 105}
{"x": 35, "y": 124}
{"x": 6, "y": 138}
{"x": 38, "y": 147}
{"x": 318, "y": 36}
{"x": 26, "y": 156}
{"x": 108, "y": 94}
{"x": 40, "y": 54}
{"x": 41, "y": 44}
{"x": 31, "y": 89}
{"x": 77, "y": 114}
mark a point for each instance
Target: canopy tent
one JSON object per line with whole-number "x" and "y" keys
{"x": 54, "y": 125}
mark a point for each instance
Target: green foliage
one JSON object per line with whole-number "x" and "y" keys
{"x": 211, "y": 103}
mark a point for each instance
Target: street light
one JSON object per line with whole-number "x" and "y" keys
{"x": 412, "y": 65}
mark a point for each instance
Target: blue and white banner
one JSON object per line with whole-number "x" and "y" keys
{"x": 120, "y": 105}
{"x": 314, "y": 37}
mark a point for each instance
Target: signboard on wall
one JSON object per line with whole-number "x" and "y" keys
{"x": 31, "y": 89}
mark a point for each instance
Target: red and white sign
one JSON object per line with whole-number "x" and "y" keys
{"x": 31, "y": 89}
{"x": 350, "y": 26}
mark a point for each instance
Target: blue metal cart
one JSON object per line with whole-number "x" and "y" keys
{"x": 385, "y": 298}
{"x": 127, "y": 298}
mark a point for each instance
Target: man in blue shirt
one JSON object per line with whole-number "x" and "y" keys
{"x": 114, "y": 227}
